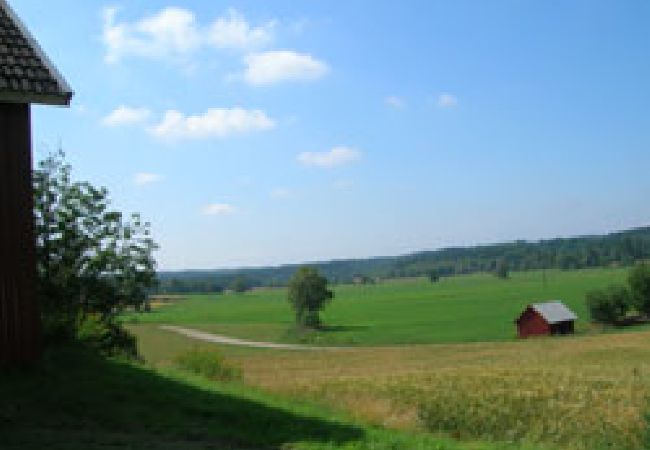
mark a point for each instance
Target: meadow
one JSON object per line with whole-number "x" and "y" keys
{"x": 473, "y": 308}
{"x": 438, "y": 360}
{"x": 587, "y": 393}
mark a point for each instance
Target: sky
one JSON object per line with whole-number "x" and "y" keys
{"x": 260, "y": 133}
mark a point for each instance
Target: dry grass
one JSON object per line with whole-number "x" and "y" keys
{"x": 578, "y": 393}
{"x": 582, "y": 393}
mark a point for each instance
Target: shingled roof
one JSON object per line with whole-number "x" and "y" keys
{"x": 26, "y": 74}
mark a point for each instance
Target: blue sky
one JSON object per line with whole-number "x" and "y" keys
{"x": 254, "y": 133}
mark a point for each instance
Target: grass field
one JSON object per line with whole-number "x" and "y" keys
{"x": 470, "y": 308}
{"x": 587, "y": 393}
{"x": 463, "y": 376}
{"x": 77, "y": 401}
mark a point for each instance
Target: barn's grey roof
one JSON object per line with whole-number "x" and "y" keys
{"x": 26, "y": 74}
{"x": 554, "y": 311}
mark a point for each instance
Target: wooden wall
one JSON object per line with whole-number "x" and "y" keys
{"x": 530, "y": 323}
{"x": 20, "y": 328}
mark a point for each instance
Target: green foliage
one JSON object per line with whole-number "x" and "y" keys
{"x": 197, "y": 285}
{"x": 433, "y": 276}
{"x": 106, "y": 336}
{"x": 639, "y": 281}
{"x": 501, "y": 269}
{"x": 90, "y": 260}
{"x": 209, "y": 364}
{"x": 239, "y": 285}
{"x": 609, "y": 305}
{"x": 612, "y": 250}
{"x": 308, "y": 295}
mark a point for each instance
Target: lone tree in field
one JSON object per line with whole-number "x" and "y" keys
{"x": 308, "y": 295}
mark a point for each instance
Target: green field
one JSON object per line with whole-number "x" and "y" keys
{"x": 76, "y": 401}
{"x": 432, "y": 361}
{"x": 471, "y": 308}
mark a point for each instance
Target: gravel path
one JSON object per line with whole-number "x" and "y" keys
{"x": 218, "y": 339}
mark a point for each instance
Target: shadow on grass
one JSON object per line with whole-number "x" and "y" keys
{"x": 77, "y": 401}
{"x": 337, "y": 328}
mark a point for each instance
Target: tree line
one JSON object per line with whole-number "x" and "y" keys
{"x": 616, "y": 249}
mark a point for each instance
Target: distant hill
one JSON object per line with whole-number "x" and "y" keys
{"x": 619, "y": 248}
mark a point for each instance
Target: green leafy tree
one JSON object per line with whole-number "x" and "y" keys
{"x": 308, "y": 295}
{"x": 501, "y": 270}
{"x": 639, "y": 280}
{"x": 239, "y": 285}
{"x": 92, "y": 262}
{"x": 610, "y": 305}
{"x": 433, "y": 276}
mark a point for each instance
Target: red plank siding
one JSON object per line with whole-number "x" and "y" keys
{"x": 531, "y": 323}
{"x": 20, "y": 330}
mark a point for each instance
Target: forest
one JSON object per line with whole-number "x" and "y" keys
{"x": 615, "y": 249}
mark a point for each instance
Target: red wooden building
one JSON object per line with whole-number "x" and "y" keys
{"x": 545, "y": 319}
{"x": 26, "y": 77}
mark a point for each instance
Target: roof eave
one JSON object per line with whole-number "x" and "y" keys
{"x": 42, "y": 99}
{"x": 63, "y": 84}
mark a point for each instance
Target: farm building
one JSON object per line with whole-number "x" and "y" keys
{"x": 26, "y": 76}
{"x": 543, "y": 319}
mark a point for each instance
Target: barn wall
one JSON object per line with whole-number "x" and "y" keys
{"x": 19, "y": 317}
{"x": 532, "y": 324}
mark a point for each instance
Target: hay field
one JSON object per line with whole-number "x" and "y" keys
{"x": 569, "y": 393}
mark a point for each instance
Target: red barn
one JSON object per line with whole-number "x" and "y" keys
{"x": 544, "y": 319}
{"x": 26, "y": 76}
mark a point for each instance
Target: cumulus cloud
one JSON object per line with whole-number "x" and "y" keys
{"x": 338, "y": 156}
{"x": 446, "y": 100}
{"x": 125, "y": 115}
{"x": 145, "y": 178}
{"x": 219, "y": 209}
{"x": 282, "y": 65}
{"x": 214, "y": 123}
{"x": 395, "y": 102}
{"x": 170, "y": 33}
{"x": 174, "y": 33}
{"x": 234, "y": 32}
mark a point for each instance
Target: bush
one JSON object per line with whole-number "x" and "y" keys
{"x": 106, "y": 336}
{"x": 610, "y": 305}
{"x": 434, "y": 276}
{"x": 639, "y": 280}
{"x": 209, "y": 364}
{"x": 502, "y": 270}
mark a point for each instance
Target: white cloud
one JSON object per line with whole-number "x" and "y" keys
{"x": 395, "y": 101}
{"x": 144, "y": 178}
{"x": 234, "y": 32}
{"x": 446, "y": 100}
{"x": 338, "y": 156}
{"x": 282, "y": 65}
{"x": 281, "y": 193}
{"x": 125, "y": 115}
{"x": 215, "y": 122}
{"x": 170, "y": 33}
{"x": 219, "y": 209}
